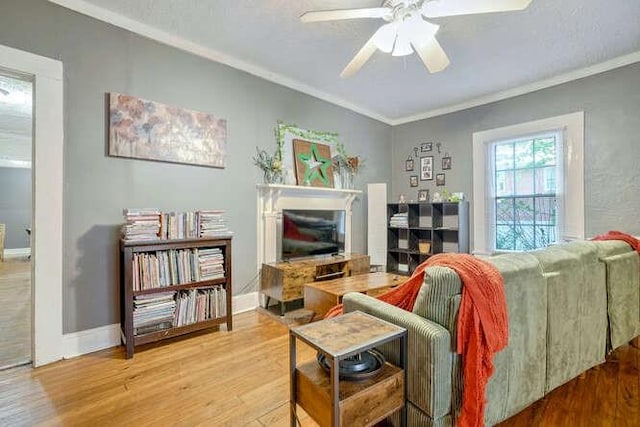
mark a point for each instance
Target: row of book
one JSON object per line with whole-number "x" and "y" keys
{"x": 173, "y": 267}
{"x": 152, "y": 224}
{"x": 197, "y": 305}
{"x": 165, "y": 310}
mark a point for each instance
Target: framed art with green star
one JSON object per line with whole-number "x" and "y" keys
{"x": 313, "y": 163}
{"x": 286, "y": 133}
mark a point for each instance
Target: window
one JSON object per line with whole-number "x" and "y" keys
{"x": 528, "y": 189}
{"x": 524, "y": 192}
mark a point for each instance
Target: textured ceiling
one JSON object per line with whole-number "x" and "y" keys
{"x": 489, "y": 53}
{"x": 15, "y": 120}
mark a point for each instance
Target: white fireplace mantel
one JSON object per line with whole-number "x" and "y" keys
{"x": 273, "y": 198}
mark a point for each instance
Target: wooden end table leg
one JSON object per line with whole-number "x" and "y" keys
{"x": 335, "y": 395}
{"x": 292, "y": 379}
{"x": 404, "y": 361}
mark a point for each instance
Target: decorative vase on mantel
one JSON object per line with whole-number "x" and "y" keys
{"x": 346, "y": 178}
{"x": 273, "y": 177}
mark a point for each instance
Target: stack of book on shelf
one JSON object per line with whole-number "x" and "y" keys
{"x": 179, "y": 225}
{"x": 399, "y": 220}
{"x": 176, "y": 267}
{"x": 213, "y": 224}
{"x": 197, "y": 305}
{"x": 141, "y": 224}
{"x": 153, "y": 312}
{"x": 211, "y": 264}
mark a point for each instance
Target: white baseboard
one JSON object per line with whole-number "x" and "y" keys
{"x": 17, "y": 253}
{"x": 90, "y": 340}
{"x": 244, "y": 302}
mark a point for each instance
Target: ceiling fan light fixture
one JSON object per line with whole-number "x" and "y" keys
{"x": 403, "y": 42}
{"x": 385, "y": 37}
{"x": 419, "y": 29}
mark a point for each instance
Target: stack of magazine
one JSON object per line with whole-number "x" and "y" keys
{"x": 153, "y": 312}
{"x": 399, "y": 220}
{"x": 211, "y": 264}
{"x": 141, "y": 224}
{"x": 213, "y": 224}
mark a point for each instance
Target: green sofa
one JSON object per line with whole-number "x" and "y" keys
{"x": 567, "y": 304}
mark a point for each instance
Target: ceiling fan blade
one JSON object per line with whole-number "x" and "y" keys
{"x": 361, "y": 57}
{"x": 432, "y": 54}
{"x": 336, "y": 15}
{"x": 439, "y": 8}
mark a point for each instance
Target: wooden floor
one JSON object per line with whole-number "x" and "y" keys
{"x": 241, "y": 379}
{"x": 15, "y": 312}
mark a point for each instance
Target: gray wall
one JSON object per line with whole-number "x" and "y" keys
{"x": 15, "y": 206}
{"x": 611, "y": 102}
{"x": 99, "y": 58}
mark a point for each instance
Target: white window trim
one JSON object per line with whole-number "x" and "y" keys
{"x": 573, "y": 125}
{"x": 46, "y": 239}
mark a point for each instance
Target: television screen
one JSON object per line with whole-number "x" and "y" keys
{"x": 312, "y": 232}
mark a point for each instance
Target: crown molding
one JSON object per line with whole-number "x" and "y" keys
{"x": 580, "y": 73}
{"x": 153, "y": 33}
{"x": 164, "y": 37}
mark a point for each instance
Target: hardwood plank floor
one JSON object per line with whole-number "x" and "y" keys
{"x": 241, "y": 379}
{"x": 15, "y": 312}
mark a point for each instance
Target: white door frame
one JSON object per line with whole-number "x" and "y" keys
{"x": 46, "y": 237}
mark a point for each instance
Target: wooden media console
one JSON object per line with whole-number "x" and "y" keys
{"x": 284, "y": 281}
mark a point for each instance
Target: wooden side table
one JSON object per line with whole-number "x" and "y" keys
{"x": 333, "y": 402}
{"x": 320, "y": 297}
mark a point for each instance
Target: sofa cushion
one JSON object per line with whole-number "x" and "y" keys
{"x": 623, "y": 295}
{"x": 568, "y": 334}
{"x": 519, "y": 377}
{"x": 592, "y": 305}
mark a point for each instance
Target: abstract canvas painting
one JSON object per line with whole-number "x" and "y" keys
{"x": 143, "y": 129}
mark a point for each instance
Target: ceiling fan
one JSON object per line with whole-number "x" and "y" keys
{"x": 406, "y": 29}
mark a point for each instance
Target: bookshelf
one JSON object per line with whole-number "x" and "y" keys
{"x": 444, "y": 227}
{"x": 173, "y": 287}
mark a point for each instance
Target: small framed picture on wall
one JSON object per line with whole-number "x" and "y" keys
{"x": 413, "y": 180}
{"x": 408, "y": 165}
{"x": 440, "y": 179}
{"x": 426, "y": 146}
{"x": 426, "y": 168}
{"x": 423, "y": 195}
{"x": 446, "y": 163}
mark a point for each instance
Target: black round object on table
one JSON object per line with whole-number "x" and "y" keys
{"x": 356, "y": 368}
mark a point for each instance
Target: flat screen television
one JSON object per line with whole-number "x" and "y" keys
{"x": 307, "y": 233}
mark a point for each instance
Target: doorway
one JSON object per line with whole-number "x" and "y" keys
{"x": 16, "y": 142}
{"x": 46, "y": 75}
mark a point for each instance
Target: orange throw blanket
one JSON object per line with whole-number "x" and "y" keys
{"x": 619, "y": 235}
{"x": 482, "y": 323}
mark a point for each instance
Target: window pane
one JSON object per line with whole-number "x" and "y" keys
{"x": 504, "y": 156}
{"x": 505, "y": 238}
{"x": 545, "y": 180}
{"x": 545, "y": 151}
{"x": 524, "y": 182}
{"x": 504, "y": 183}
{"x": 524, "y": 211}
{"x": 504, "y": 211}
{"x": 524, "y": 154}
{"x": 545, "y": 236}
{"x": 545, "y": 211}
{"x": 525, "y": 239}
